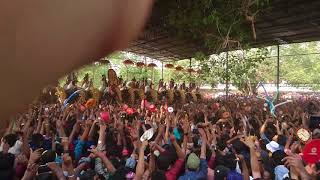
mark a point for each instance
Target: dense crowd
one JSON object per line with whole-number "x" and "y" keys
{"x": 218, "y": 139}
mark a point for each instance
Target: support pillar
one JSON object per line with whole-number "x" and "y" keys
{"x": 162, "y": 70}
{"x": 278, "y": 71}
{"x": 190, "y": 69}
{"x": 227, "y": 74}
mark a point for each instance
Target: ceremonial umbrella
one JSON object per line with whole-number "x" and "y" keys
{"x": 140, "y": 64}
{"x": 179, "y": 68}
{"x": 152, "y": 65}
{"x": 128, "y": 62}
{"x": 169, "y": 66}
{"x": 190, "y": 70}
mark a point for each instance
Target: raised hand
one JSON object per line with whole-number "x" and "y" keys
{"x": 172, "y": 138}
{"x": 58, "y": 124}
{"x": 202, "y": 132}
{"x": 21, "y": 159}
{"x": 248, "y": 141}
{"x": 186, "y": 126}
{"x": 35, "y": 155}
{"x": 134, "y": 133}
{"x": 294, "y": 161}
{"x": 144, "y": 144}
{"x": 77, "y": 126}
{"x": 97, "y": 153}
{"x": 89, "y": 123}
{"x": 31, "y": 171}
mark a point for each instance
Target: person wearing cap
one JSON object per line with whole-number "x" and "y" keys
{"x": 221, "y": 172}
{"x": 197, "y": 168}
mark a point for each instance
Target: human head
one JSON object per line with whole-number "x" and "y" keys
{"x": 193, "y": 162}
{"x": 277, "y": 157}
{"x": 10, "y": 139}
{"x": 221, "y": 172}
{"x": 158, "y": 175}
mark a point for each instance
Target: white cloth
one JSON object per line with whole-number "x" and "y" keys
{"x": 273, "y": 146}
{"x": 15, "y": 149}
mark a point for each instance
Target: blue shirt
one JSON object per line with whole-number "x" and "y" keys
{"x": 78, "y": 149}
{"x": 202, "y": 173}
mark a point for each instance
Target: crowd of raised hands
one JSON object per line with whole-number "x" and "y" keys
{"x": 217, "y": 139}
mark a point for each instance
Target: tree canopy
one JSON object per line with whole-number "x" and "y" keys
{"x": 218, "y": 24}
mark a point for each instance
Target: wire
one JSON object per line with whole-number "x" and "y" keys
{"x": 293, "y": 55}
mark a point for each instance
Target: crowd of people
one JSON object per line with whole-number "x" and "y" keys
{"x": 230, "y": 138}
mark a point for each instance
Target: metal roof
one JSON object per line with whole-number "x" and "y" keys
{"x": 287, "y": 21}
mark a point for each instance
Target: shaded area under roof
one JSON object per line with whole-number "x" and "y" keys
{"x": 287, "y": 21}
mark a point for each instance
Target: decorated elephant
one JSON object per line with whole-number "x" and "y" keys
{"x": 48, "y": 95}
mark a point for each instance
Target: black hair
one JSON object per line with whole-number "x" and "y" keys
{"x": 120, "y": 173}
{"x": 115, "y": 162}
{"x": 163, "y": 162}
{"x": 158, "y": 175}
{"x": 219, "y": 159}
{"x": 221, "y": 145}
{"x": 282, "y": 140}
{"x": 199, "y": 118}
{"x": 59, "y": 149}
{"x": 239, "y": 146}
{"x": 270, "y": 131}
{"x": 311, "y": 108}
{"x": 37, "y": 140}
{"x": 48, "y": 156}
{"x": 318, "y": 166}
{"x": 277, "y": 157}
{"x": 10, "y": 139}
{"x": 230, "y": 161}
{"x": 7, "y": 173}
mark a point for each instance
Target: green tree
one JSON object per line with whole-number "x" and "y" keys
{"x": 240, "y": 68}
{"x": 301, "y": 69}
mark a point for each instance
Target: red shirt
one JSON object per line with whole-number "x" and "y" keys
{"x": 173, "y": 172}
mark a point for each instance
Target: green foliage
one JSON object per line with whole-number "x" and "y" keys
{"x": 247, "y": 68}
{"x": 302, "y": 69}
{"x": 240, "y": 68}
{"x": 216, "y": 23}
{"x": 243, "y": 68}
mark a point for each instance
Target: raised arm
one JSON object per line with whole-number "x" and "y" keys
{"x": 87, "y": 128}
{"x": 180, "y": 153}
{"x": 102, "y": 134}
{"x": 244, "y": 170}
{"x": 75, "y": 130}
{"x": 255, "y": 168}
{"x": 167, "y": 133}
{"x": 203, "y": 144}
{"x": 92, "y": 130}
{"x": 140, "y": 165}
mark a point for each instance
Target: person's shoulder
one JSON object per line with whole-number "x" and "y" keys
{"x": 203, "y": 161}
{"x": 183, "y": 177}
{"x": 179, "y": 161}
{"x": 7, "y": 155}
